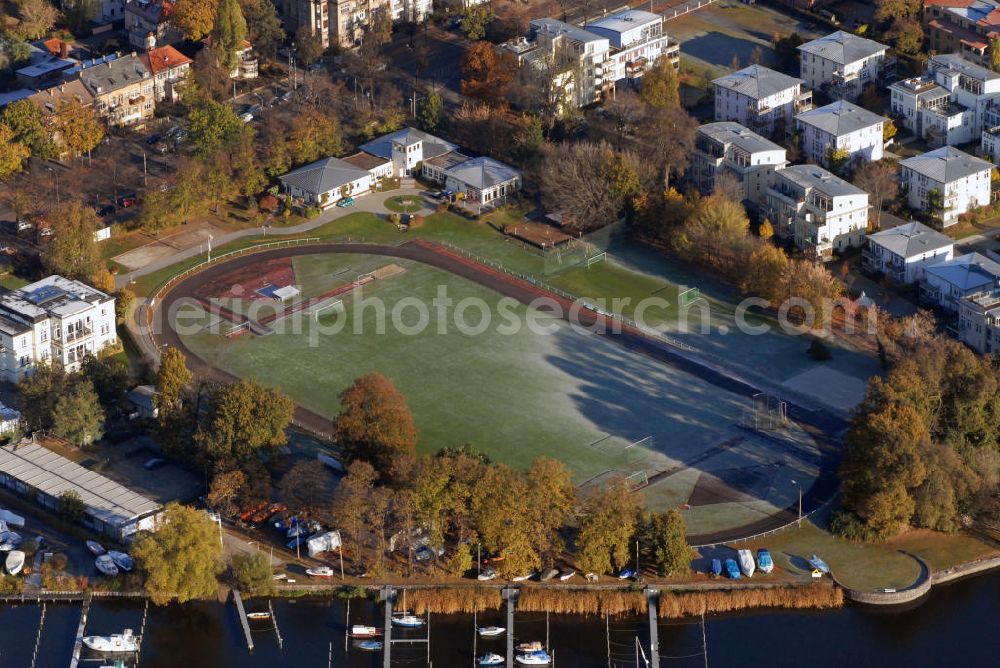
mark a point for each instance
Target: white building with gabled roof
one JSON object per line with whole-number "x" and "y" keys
{"x": 760, "y": 99}
{"x": 905, "y": 251}
{"x": 841, "y": 126}
{"x": 727, "y": 147}
{"x": 842, "y": 64}
{"x": 485, "y": 181}
{"x": 637, "y": 40}
{"x": 325, "y": 182}
{"x": 946, "y": 283}
{"x": 55, "y": 320}
{"x": 407, "y": 148}
{"x": 945, "y": 183}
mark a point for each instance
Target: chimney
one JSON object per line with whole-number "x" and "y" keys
{"x": 63, "y": 50}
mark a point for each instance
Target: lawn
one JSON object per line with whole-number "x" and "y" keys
{"x": 514, "y": 394}
{"x": 12, "y": 282}
{"x": 405, "y": 203}
{"x": 870, "y": 566}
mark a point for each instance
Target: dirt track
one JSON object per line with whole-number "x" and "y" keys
{"x": 821, "y": 426}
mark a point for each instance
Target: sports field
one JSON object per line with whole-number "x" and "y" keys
{"x": 514, "y": 395}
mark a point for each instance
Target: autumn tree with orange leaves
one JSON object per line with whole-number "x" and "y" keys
{"x": 487, "y": 73}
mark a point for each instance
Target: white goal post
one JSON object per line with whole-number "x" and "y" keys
{"x": 594, "y": 259}
{"x": 365, "y": 278}
{"x": 335, "y": 305}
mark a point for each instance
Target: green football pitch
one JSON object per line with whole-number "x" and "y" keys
{"x": 514, "y": 395}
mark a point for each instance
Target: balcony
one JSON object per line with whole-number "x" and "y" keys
{"x": 803, "y": 102}
{"x": 73, "y": 337}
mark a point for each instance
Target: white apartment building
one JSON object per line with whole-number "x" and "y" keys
{"x": 406, "y": 149}
{"x": 945, "y": 183}
{"x": 841, "y": 126}
{"x": 729, "y": 148}
{"x": 760, "y": 99}
{"x": 979, "y": 322}
{"x": 591, "y": 74}
{"x": 947, "y": 105}
{"x": 55, "y": 319}
{"x": 821, "y": 212}
{"x": 904, "y": 252}
{"x": 842, "y": 64}
{"x": 637, "y": 41}
{"x": 946, "y": 283}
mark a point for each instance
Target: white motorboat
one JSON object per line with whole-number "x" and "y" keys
{"x": 324, "y": 572}
{"x": 95, "y": 548}
{"x": 125, "y": 641}
{"x": 491, "y": 659}
{"x": 122, "y": 560}
{"x": 362, "y": 631}
{"x": 10, "y": 540}
{"x": 566, "y": 575}
{"x": 491, "y": 631}
{"x": 259, "y": 615}
{"x": 745, "y": 559}
{"x": 535, "y": 658}
{"x": 14, "y": 562}
{"x": 370, "y": 645}
{"x": 522, "y": 578}
{"x": 105, "y": 564}
{"x": 408, "y": 620}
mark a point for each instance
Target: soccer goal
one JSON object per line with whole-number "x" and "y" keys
{"x": 238, "y": 328}
{"x": 689, "y": 296}
{"x": 637, "y": 480}
{"x": 594, "y": 259}
{"x": 322, "y": 309}
{"x": 364, "y": 278}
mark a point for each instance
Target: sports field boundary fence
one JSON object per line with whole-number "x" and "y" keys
{"x": 770, "y": 532}
{"x": 493, "y": 264}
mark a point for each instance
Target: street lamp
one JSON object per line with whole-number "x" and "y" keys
{"x": 210, "y": 237}
{"x": 800, "y": 500}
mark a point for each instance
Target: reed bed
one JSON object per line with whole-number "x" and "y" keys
{"x": 689, "y": 603}
{"x": 581, "y": 602}
{"x": 449, "y": 601}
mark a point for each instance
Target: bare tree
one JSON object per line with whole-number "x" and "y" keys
{"x": 880, "y": 180}
{"x": 667, "y": 139}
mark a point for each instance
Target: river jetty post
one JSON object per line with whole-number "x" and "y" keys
{"x": 78, "y": 644}
{"x": 652, "y": 606}
{"x": 510, "y": 596}
{"x": 243, "y": 618}
{"x": 389, "y": 597}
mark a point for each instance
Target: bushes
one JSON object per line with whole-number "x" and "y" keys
{"x": 582, "y": 602}
{"x": 688, "y": 604}
{"x": 450, "y": 601}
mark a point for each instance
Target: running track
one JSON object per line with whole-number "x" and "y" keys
{"x": 824, "y": 427}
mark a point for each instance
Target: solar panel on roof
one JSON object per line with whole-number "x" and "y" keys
{"x": 46, "y": 293}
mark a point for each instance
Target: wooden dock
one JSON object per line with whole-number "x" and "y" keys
{"x": 652, "y": 605}
{"x": 389, "y": 596}
{"x": 243, "y": 618}
{"x": 510, "y": 595}
{"x": 78, "y": 644}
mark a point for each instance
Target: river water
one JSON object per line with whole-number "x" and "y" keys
{"x": 956, "y": 625}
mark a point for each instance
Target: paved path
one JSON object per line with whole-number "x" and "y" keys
{"x": 370, "y": 203}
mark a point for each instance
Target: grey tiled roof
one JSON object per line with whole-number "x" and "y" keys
{"x": 946, "y": 164}
{"x": 556, "y": 27}
{"x": 730, "y": 132}
{"x": 813, "y": 176}
{"x": 953, "y": 61}
{"x": 433, "y": 146}
{"x": 757, "y": 81}
{"x": 323, "y": 175}
{"x": 481, "y": 173}
{"x": 843, "y": 47}
{"x": 968, "y": 272}
{"x": 840, "y": 118}
{"x": 911, "y": 239}
{"x": 110, "y": 76}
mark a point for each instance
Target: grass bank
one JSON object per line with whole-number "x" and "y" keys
{"x": 450, "y": 601}
{"x": 686, "y": 604}
{"x": 582, "y": 602}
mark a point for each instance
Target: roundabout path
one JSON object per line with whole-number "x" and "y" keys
{"x": 823, "y": 427}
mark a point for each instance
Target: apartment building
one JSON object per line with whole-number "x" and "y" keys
{"x": 820, "y": 212}
{"x": 169, "y": 68}
{"x": 123, "y": 90}
{"x": 760, "y": 99}
{"x": 53, "y": 101}
{"x": 904, "y": 252}
{"x": 945, "y": 183}
{"x": 55, "y": 319}
{"x": 636, "y": 40}
{"x": 842, "y": 64}
{"x": 841, "y": 126}
{"x": 729, "y": 148}
{"x": 966, "y": 27}
{"x": 979, "y": 322}
{"x": 147, "y": 23}
{"x": 947, "y": 105}
{"x": 313, "y": 14}
{"x": 945, "y": 284}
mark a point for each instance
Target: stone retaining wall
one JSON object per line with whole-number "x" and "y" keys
{"x": 971, "y": 568}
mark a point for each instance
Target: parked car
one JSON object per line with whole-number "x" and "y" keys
{"x": 154, "y": 463}
{"x": 105, "y": 210}
{"x": 487, "y": 574}
{"x": 346, "y": 202}
{"x": 153, "y": 138}
{"x": 125, "y": 201}
{"x": 247, "y": 117}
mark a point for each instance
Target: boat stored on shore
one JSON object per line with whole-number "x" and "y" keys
{"x": 14, "y": 562}
{"x": 322, "y": 572}
{"x": 818, "y": 564}
{"x": 122, "y": 560}
{"x": 745, "y": 559}
{"x": 764, "y": 561}
{"x": 95, "y": 548}
{"x": 106, "y": 565}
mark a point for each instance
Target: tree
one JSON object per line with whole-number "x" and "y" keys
{"x": 837, "y": 159}
{"x": 308, "y": 47}
{"x": 78, "y": 416}
{"x": 80, "y": 13}
{"x": 888, "y": 130}
{"x": 475, "y": 20}
{"x": 667, "y": 537}
{"x": 78, "y": 128}
{"x": 786, "y": 50}
{"x": 253, "y": 573}
{"x": 935, "y": 206}
{"x": 109, "y": 376}
{"x": 374, "y": 423}
{"x": 812, "y": 283}
{"x": 36, "y": 18}
{"x": 879, "y": 180}
{"x": 315, "y": 135}
{"x": 72, "y": 250}
{"x": 430, "y": 111}
{"x": 304, "y": 487}
{"x": 591, "y": 184}
{"x": 38, "y": 394}
{"x": 224, "y": 493}
{"x": 182, "y": 558}
{"x": 263, "y": 26}
{"x": 765, "y": 269}
{"x": 660, "y": 85}
{"x": 25, "y": 120}
{"x": 212, "y": 125}
{"x": 242, "y": 419}
{"x": 71, "y": 506}
{"x": 906, "y": 34}
{"x": 171, "y": 379}
{"x": 715, "y": 234}
{"x": 607, "y": 526}
{"x": 229, "y": 33}
{"x": 550, "y": 500}
{"x": 124, "y": 300}
{"x": 667, "y": 139}
{"x": 503, "y": 519}
{"x": 888, "y": 10}
{"x": 350, "y": 500}
{"x": 12, "y": 153}
{"x": 487, "y": 73}
{"x": 377, "y": 520}
{"x": 194, "y": 18}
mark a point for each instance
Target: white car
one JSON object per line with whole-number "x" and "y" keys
{"x": 247, "y": 117}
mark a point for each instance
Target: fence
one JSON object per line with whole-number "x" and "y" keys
{"x": 770, "y": 532}
{"x": 686, "y": 8}
{"x": 646, "y": 331}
